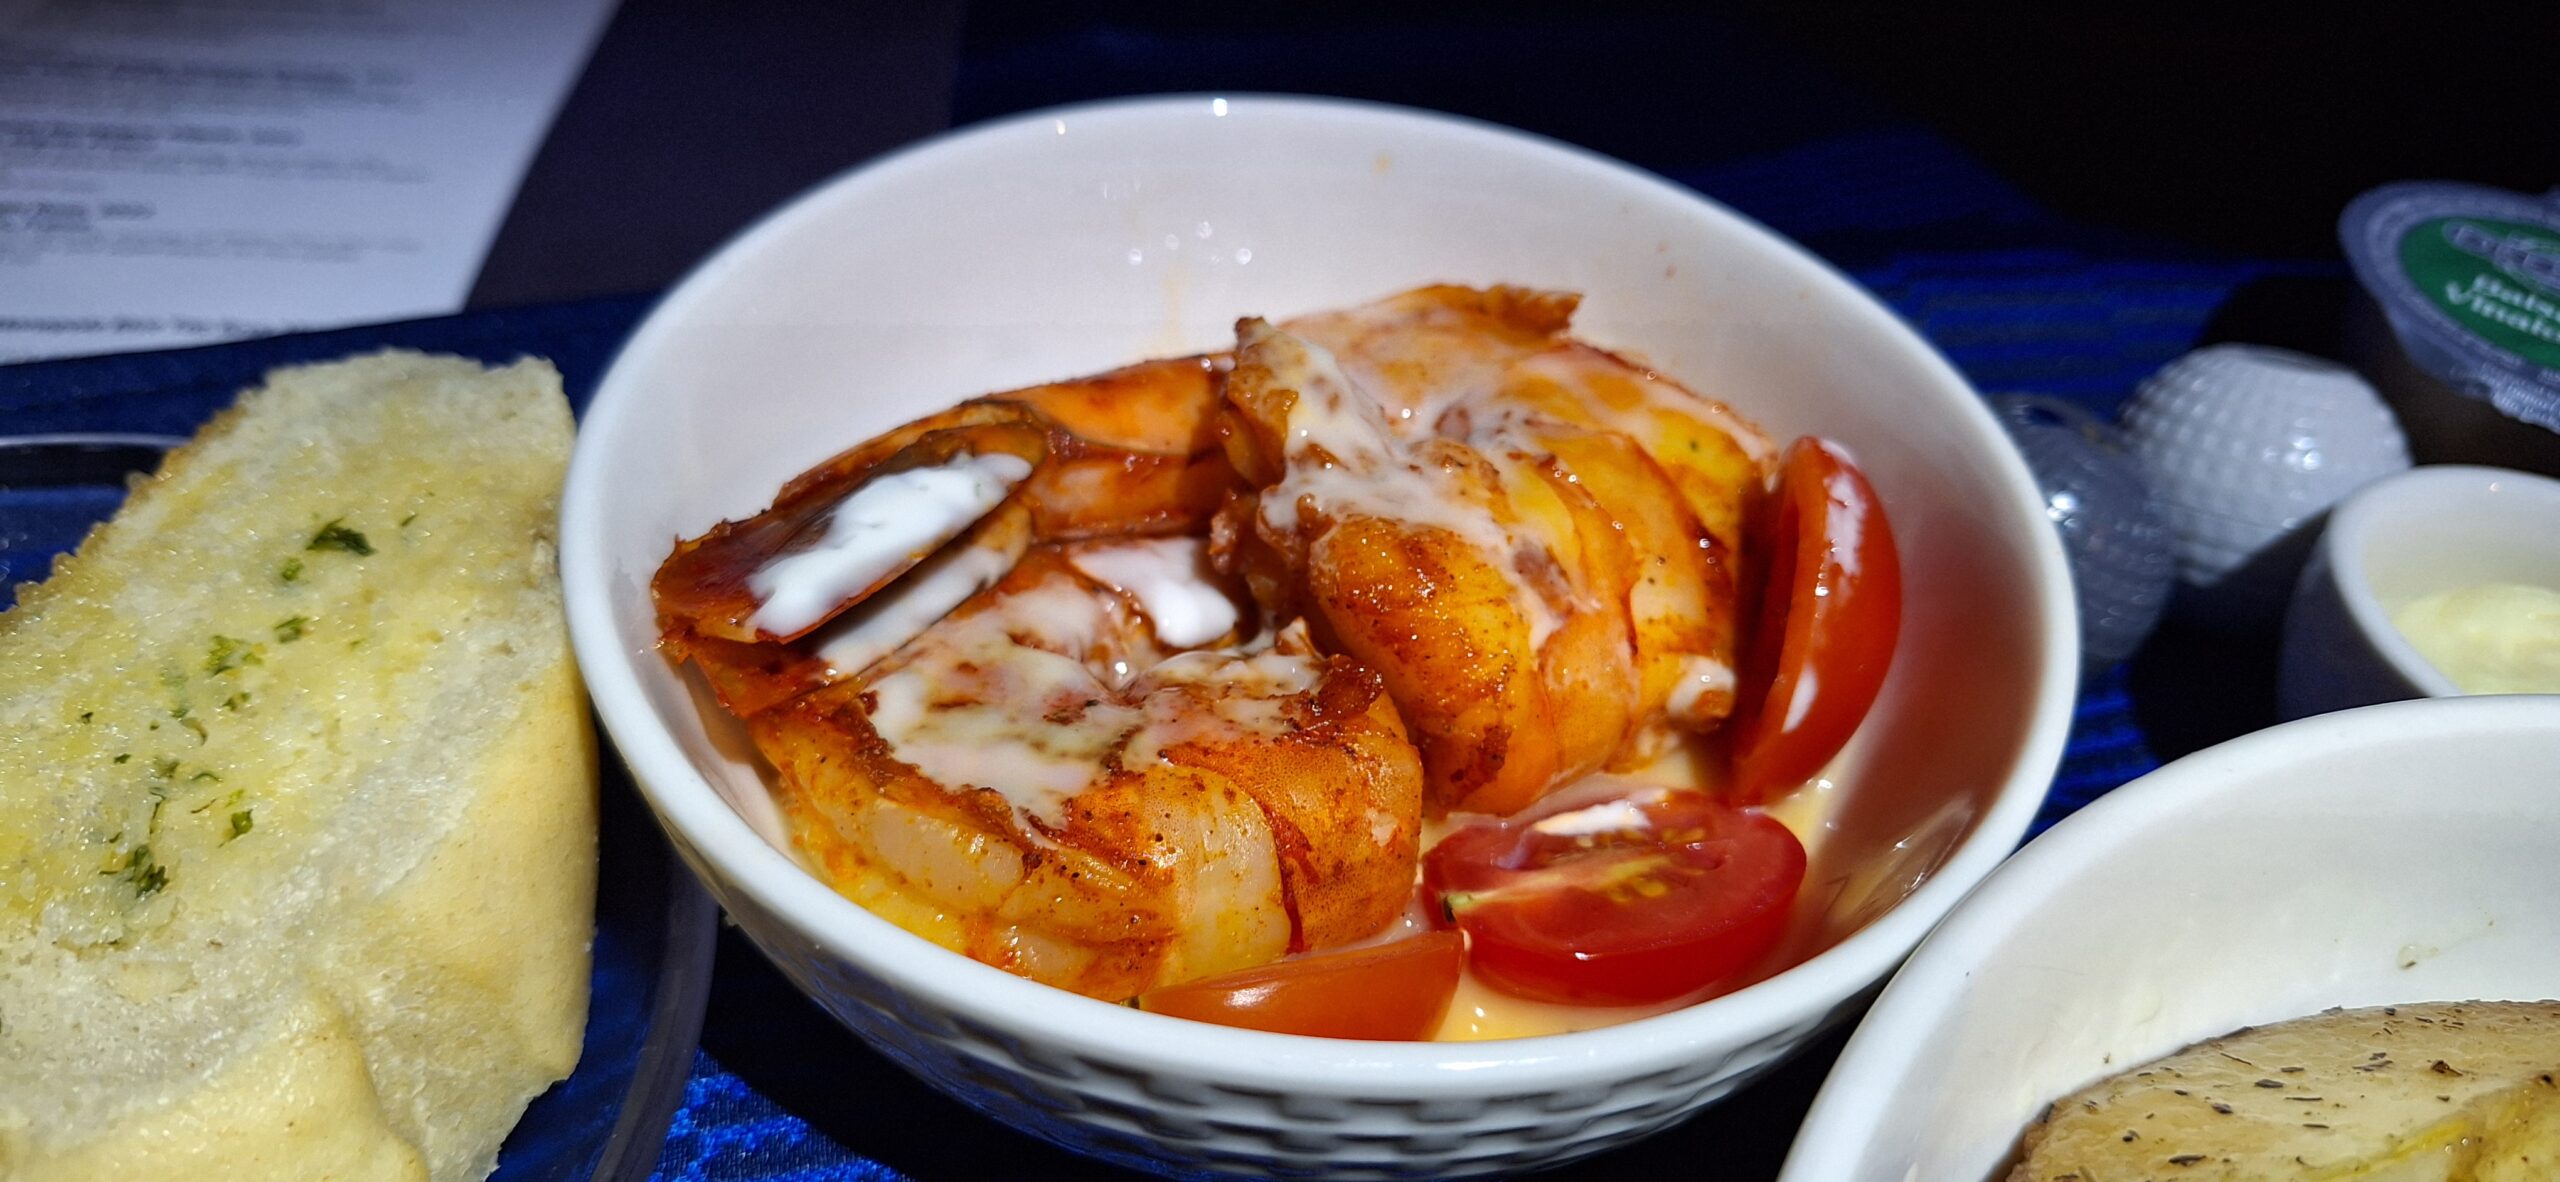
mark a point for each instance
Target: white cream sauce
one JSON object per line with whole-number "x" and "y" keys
{"x": 1608, "y": 816}
{"x": 1415, "y": 361}
{"x": 1266, "y": 667}
{"x": 1347, "y": 458}
{"x": 990, "y": 731}
{"x": 1170, "y": 579}
{"x": 1699, "y": 677}
{"x": 887, "y": 523}
{"x": 1045, "y": 693}
{"x": 1581, "y": 369}
{"x": 900, "y": 612}
{"x": 1207, "y": 696}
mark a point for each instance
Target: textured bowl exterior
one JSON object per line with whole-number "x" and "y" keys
{"x": 1190, "y": 1122}
{"x": 1074, "y": 240}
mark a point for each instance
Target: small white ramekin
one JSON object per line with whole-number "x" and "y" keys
{"x": 2430, "y": 529}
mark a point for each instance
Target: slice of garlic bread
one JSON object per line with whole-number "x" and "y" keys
{"x": 2439, "y": 1092}
{"x": 297, "y": 795}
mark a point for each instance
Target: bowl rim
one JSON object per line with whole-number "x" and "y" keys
{"x": 1802, "y": 994}
{"x": 1875, "y": 1065}
{"x": 2358, "y": 517}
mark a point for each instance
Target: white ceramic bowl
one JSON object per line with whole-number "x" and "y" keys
{"x": 2390, "y": 854}
{"x": 2431, "y": 529}
{"x": 1074, "y": 240}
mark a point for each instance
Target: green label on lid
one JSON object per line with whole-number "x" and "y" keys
{"x": 2500, "y": 280}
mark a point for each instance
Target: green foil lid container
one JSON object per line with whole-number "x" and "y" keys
{"x": 2469, "y": 279}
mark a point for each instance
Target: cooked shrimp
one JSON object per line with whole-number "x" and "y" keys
{"x": 1460, "y": 561}
{"x": 943, "y": 506}
{"x": 1038, "y": 783}
{"x": 1531, "y": 540}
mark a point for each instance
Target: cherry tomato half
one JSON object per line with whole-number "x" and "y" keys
{"x": 1616, "y": 894}
{"x": 1829, "y": 611}
{"x": 1383, "y": 992}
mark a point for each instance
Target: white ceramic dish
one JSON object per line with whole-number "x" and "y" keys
{"x": 2431, "y": 529}
{"x": 2395, "y": 853}
{"x": 1075, "y": 240}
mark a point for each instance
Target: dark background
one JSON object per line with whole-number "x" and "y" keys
{"x": 2228, "y": 128}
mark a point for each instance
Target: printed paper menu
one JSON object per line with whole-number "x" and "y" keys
{"x": 177, "y": 172}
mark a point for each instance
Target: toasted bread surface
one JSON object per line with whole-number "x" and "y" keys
{"x": 297, "y": 795}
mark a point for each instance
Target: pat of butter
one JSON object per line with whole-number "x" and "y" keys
{"x": 2494, "y": 638}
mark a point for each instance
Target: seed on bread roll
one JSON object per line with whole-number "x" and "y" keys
{"x": 297, "y": 795}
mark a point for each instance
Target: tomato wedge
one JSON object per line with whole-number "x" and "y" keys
{"x": 1829, "y": 612}
{"x": 1611, "y": 893}
{"x": 1384, "y": 992}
